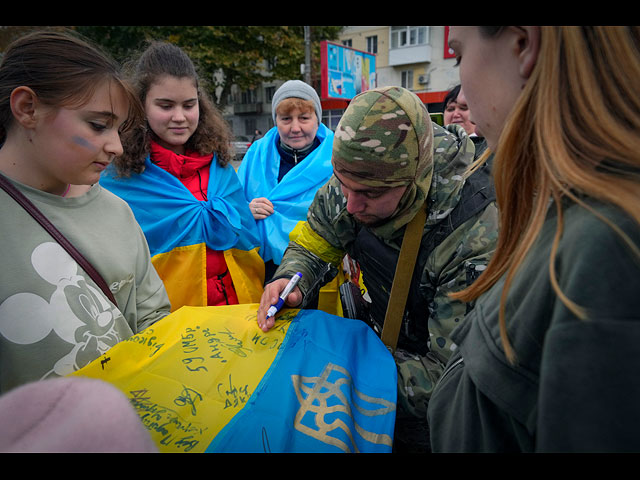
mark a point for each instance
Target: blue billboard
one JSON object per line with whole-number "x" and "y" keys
{"x": 346, "y": 71}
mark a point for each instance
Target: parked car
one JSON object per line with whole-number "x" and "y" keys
{"x": 240, "y": 145}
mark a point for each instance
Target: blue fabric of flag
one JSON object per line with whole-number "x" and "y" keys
{"x": 331, "y": 388}
{"x": 171, "y": 216}
{"x": 258, "y": 174}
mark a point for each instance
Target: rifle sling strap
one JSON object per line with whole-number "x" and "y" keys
{"x": 402, "y": 279}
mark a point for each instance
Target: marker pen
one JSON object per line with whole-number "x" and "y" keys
{"x": 273, "y": 309}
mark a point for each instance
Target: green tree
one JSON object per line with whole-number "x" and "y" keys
{"x": 10, "y": 33}
{"x": 244, "y": 56}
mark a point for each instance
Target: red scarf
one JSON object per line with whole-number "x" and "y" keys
{"x": 192, "y": 169}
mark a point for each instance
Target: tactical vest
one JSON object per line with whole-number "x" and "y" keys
{"x": 378, "y": 261}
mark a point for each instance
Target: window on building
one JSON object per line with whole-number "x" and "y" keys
{"x": 407, "y": 79}
{"x": 408, "y": 36}
{"x": 269, "y": 92}
{"x": 331, "y": 118}
{"x": 347, "y": 43}
{"x": 250, "y": 126}
{"x": 248, "y": 96}
{"x": 372, "y": 44}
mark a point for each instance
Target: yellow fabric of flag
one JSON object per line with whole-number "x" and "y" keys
{"x": 189, "y": 374}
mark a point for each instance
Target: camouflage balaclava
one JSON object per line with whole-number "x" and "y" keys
{"x": 385, "y": 138}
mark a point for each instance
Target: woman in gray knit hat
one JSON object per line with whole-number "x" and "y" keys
{"x": 282, "y": 171}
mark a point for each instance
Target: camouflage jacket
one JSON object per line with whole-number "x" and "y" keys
{"x": 331, "y": 231}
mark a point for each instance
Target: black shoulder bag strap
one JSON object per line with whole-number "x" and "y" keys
{"x": 59, "y": 237}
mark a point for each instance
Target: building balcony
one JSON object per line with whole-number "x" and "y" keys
{"x": 408, "y": 55}
{"x": 247, "y": 108}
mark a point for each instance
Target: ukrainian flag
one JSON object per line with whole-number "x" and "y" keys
{"x": 179, "y": 227}
{"x": 207, "y": 379}
{"x": 291, "y": 197}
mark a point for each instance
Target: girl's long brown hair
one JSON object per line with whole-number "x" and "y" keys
{"x": 574, "y": 131}
{"x": 213, "y": 134}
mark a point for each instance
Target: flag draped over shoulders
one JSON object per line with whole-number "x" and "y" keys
{"x": 291, "y": 197}
{"x": 207, "y": 379}
{"x": 178, "y": 227}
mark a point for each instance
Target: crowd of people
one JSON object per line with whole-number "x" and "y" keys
{"x": 500, "y": 252}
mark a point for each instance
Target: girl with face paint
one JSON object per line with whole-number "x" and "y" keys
{"x": 63, "y": 106}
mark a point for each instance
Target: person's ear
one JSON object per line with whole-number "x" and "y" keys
{"x": 24, "y": 102}
{"x": 528, "y": 48}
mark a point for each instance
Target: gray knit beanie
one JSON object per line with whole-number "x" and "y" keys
{"x": 297, "y": 89}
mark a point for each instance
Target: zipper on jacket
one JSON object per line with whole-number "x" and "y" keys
{"x": 450, "y": 368}
{"x": 222, "y": 288}
{"x": 204, "y": 195}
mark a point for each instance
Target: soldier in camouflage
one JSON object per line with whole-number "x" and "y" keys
{"x": 388, "y": 159}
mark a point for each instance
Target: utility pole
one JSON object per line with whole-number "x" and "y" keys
{"x": 307, "y": 55}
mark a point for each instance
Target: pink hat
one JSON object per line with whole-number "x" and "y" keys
{"x": 68, "y": 415}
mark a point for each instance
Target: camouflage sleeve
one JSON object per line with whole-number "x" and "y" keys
{"x": 451, "y": 267}
{"x": 315, "y": 271}
{"x": 319, "y": 245}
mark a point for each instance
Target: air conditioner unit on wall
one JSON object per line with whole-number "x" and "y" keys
{"x": 423, "y": 79}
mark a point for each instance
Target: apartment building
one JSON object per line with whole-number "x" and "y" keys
{"x": 414, "y": 57}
